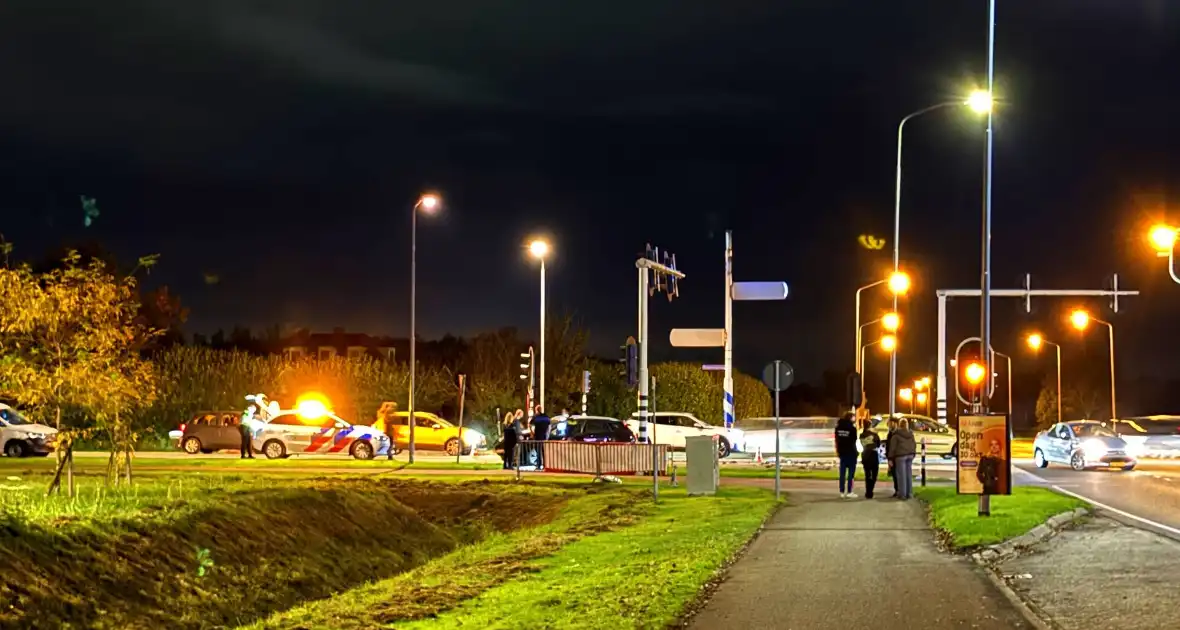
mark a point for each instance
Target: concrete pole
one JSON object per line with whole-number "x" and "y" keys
{"x": 644, "y": 380}
{"x": 541, "y": 380}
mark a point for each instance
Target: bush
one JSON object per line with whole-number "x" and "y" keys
{"x": 686, "y": 387}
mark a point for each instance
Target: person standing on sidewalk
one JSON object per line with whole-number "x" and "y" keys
{"x": 889, "y": 459}
{"x": 541, "y": 424}
{"x": 846, "y": 452}
{"x": 903, "y": 450}
{"x": 869, "y": 459}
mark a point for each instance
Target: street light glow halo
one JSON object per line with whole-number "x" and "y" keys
{"x": 539, "y": 248}
{"x": 980, "y": 101}
{"x": 429, "y": 201}
{"x": 891, "y": 322}
{"x": 899, "y": 282}
{"x": 1163, "y": 237}
{"x": 1035, "y": 341}
{"x": 889, "y": 343}
{"x": 1080, "y": 319}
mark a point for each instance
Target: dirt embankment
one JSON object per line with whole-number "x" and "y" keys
{"x": 266, "y": 550}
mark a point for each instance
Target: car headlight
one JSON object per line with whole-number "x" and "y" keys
{"x": 1094, "y": 448}
{"x": 471, "y": 438}
{"x": 1136, "y": 450}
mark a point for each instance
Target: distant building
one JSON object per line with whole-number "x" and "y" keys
{"x": 338, "y": 343}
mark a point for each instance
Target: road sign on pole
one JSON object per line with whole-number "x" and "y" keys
{"x": 777, "y": 376}
{"x": 697, "y": 337}
{"x": 759, "y": 291}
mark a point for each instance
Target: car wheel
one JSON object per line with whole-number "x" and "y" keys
{"x": 954, "y": 454}
{"x": 1039, "y": 459}
{"x": 274, "y": 449}
{"x": 191, "y": 445}
{"x": 1077, "y": 461}
{"x": 452, "y": 447}
{"x": 723, "y": 448}
{"x": 362, "y": 449}
{"x": 15, "y": 448}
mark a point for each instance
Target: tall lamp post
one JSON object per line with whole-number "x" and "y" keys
{"x": 1035, "y": 341}
{"x": 888, "y": 344}
{"x": 540, "y": 249}
{"x": 898, "y": 283}
{"x": 1080, "y": 320}
{"x": 427, "y": 204}
{"x": 979, "y": 102}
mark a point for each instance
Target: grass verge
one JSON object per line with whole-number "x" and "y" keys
{"x": 223, "y": 554}
{"x": 956, "y": 516}
{"x": 611, "y": 560}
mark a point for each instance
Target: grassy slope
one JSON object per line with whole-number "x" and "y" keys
{"x": 651, "y": 561}
{"x": 1011, "y": 516}
{"x": 132, "y": 554}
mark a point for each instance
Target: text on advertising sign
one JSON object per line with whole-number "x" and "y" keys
{"x": 985, "y": 455}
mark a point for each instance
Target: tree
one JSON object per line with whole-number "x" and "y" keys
{"x": 492, "y": 363}
{"x": 162, "y": 311}
{"x": 1078, "y": 402}
{"x": 74, "y": 343}
{"x": 565, "y": 360}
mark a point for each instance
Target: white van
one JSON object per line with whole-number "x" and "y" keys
{"x": 21, "y": 438}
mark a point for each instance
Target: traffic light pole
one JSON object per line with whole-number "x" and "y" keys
{"x": 646, "y": 267}
{"x": 944, "y": 294}
{"x": 727, "y": 395}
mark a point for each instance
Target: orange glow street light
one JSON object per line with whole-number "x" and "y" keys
{"x": 1081, "y": 320}
{"x": 891, "y": 322}
{"x": 1163, "y": 239}
{"x": 898, "y": 283}
{"x": 1035, "y": 341}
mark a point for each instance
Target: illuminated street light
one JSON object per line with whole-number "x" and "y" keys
{"x": 888, "y": 343}
{"x": 1163, "y": 239}
{"x": 980, "y": 101}
{"x": 428, "y": 204}
{"x": 905, "y": 393}
{"x": 540, "y": 249}
{"x": 899, "y": 283}
{"x": 922, "y": 398}
{"x": 891, "y": 322}
{"x": 1035, "y": 341}
{"x": 1080, "y": 320}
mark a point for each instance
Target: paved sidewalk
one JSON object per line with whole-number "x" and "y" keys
{"x": 826, "y": 562}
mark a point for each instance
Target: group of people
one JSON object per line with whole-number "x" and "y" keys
{"x": 899, "y": 446}
{"x": 519, "y": 428}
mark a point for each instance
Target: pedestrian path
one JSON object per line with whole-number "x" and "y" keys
{"x": 826, "y": 562}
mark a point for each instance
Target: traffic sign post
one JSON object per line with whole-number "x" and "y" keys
{"x": 742, "y": 291}
{"x": 778, "y": 376}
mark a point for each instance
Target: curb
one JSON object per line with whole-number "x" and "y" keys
{"x": 1038, "y": 534}
{"x": 987, "y": 559}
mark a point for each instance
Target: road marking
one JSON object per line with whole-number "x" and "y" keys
{"x": 1171, "y": 530}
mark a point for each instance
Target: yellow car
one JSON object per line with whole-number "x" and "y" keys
{"x": 941, "y": 440}
{"x": 431, "y": 433}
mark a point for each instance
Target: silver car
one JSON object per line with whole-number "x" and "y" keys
{"x": 1081, "y": 445}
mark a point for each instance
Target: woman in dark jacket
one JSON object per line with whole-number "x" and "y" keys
{"x": 869, "y": 441}
{"x": 511, "y": 426}
{"x": 902, "y": 449}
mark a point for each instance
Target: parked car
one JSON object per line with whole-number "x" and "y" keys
{"x": 432, "y": 433}
{"x": 210, "y": 431}
{"x": 672, "y": 427}
{"x": 599, "y": 429}
{"x": 1080, "y": 445}
{"x": 22, "y": 438}
{"x": 941, "y": 440}
{"x": 288, "y": 432}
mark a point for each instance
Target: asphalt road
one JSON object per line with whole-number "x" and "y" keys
{"x": 1151, "y": 491}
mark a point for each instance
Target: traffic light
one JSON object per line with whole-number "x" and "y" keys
{"x": 855, "y": 393}
{"x": 526, "y": 365}
{"x": 586, "y": 382}
{"x": 629, "y": 362}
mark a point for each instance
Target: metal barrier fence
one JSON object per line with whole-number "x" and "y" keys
{"x": 591, "y": 458}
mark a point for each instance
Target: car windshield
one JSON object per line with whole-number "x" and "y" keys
{"x": 1091, "y": 430}
{"x": 12, "y": 416}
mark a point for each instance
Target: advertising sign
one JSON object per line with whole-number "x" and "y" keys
{"x": 985, "y": 455}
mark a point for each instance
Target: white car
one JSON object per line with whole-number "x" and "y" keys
{"x": 672, "y": 427}
{"x": 288, "y": 433}
{"x": 22, "y": 438}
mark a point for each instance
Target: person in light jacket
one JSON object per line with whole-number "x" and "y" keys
{"x": 902, "y": 450}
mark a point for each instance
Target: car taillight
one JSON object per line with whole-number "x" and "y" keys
{"x": 183, "y": 427}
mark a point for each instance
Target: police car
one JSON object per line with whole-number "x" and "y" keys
{"x": 311, "y": 429}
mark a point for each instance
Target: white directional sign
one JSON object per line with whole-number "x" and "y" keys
{"x": 751, "y": 291}
{"x": 697, "y": 337}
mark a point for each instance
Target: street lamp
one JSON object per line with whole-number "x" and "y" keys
{"x": 891, "y": 322}
{"x": 906, "y": 394}
{"x": 980, "y": 102}
{"x": 540, "y": 249}
{"x": 1080, "y": 320}
{"x": 898, "y": 283}
{"x": 1163, "y": 239}
{"x": 1035, "y": 341}
{"x": 888, "y": 343}
{"x": 924, "y": 401}
{"x": 427, "y": 204}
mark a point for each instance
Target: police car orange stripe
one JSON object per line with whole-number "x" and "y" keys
{"x": 342, "y": 440}
{"x": 319, "y": 441}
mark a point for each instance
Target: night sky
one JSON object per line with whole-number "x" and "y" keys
{"x": 280, "y": 146}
